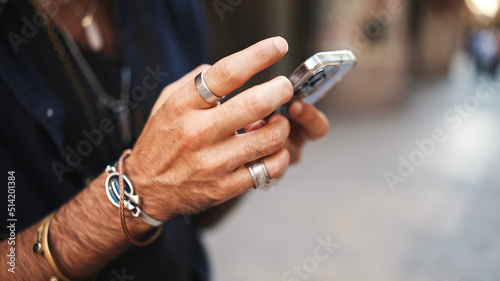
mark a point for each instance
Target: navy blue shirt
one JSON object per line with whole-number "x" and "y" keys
{"x": 161, "y": 39}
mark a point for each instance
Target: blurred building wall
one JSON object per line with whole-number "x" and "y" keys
{"x": 392, "y": 39}
{"x": 376, "y": 31}
{"x": 437, "y": 29}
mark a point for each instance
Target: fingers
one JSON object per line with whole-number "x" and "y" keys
{"x": 314, "y": 123}
{"x": 276, "y": 164}
{"x": 233, "y": 71}
{"x": 255, "y": 126}
{"x": 251, "y": 105}
{"x": 254, "y": 145}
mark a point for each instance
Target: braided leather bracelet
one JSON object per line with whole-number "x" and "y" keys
{"x": 123, "y": 221}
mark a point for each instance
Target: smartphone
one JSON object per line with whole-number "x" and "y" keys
{"x": 317, "y": 75}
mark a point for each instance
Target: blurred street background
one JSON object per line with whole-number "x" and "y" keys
{"x": 406, "y": 186}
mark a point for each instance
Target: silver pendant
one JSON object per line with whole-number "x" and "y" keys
{"x": 92, "y": 33}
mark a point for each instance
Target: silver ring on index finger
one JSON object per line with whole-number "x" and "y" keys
{"x": 204, "y": 91}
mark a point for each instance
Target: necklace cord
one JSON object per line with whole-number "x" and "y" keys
{"x": 63, "y": 57}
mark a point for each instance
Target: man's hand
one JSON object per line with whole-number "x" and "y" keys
{"x": 189, "y": 157}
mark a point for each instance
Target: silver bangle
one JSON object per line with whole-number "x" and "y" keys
{"x": 131, "y": 200}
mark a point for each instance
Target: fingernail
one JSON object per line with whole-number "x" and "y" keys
{"x": 281, "y": 44}
{"x": 295, "y": 109}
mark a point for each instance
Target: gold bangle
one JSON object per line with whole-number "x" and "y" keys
{"x": 38, "y": 248}
{"x": 42, "y": 246}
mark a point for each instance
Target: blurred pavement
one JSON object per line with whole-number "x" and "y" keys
{"x": 441, "y": 223}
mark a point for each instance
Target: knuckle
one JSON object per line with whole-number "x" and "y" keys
{"x": 193, "y": 135}
{"x": 210, "y": 193}
{"x": 225, "y": 74}
{"x": 190, "y": 138}
{"x": 254, "y": 105}
{"x": 219, "y": 118}
{"x": 286, "y": 87}
{"x": 210, "y": 166}
{"x": 217, "y": 124}
{"x": 226, "y": 183}
{"x": 197, "y": 162}
{"x": 216, "y": 193}
{"x": 276, "y": 138}
{"x": 221, "y": 191}
{"x": 175, "y": 106}
{"x": 215, "y": 166}
{"x": 250, "y": 149}
{"x": 202, "y": 166}
{"x": 279, "y": 164}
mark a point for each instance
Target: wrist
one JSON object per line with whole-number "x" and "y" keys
{"x": 90, "y": 221}
{"x": 137, "y": 227}
{"x": 150, "y": 191}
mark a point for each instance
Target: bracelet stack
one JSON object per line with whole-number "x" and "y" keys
{"x": 42, "y": 247}
{"x": 120, "y": 192}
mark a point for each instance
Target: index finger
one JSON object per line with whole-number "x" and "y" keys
{"x": 231, "y": 72}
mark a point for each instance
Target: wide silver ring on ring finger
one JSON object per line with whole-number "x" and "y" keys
{"x": 260, "y": 175}
{"x": 201, "y": 86}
